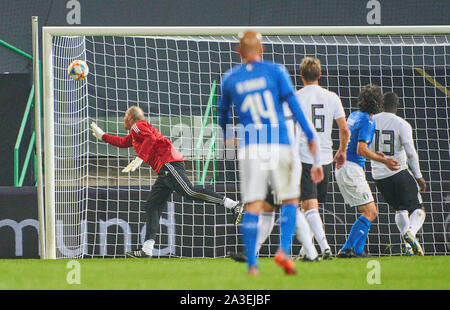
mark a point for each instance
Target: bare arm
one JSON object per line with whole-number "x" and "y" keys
{"x": 364, "y": 151}
{"x": 344, "y": 134}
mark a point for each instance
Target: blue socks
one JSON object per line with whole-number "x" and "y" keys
{"x": 250, "y": 232}
{"x": 288, "y": 218}
{"x": 249, "y": 235}
{"x": 358, "y": 235}
{"x": 359, "y": 246}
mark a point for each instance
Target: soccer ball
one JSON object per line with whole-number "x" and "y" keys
{"x": 78, "y": 70}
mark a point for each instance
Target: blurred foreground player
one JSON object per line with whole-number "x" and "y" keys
{"x": 257, "y": 90}
{"x": 351, "y": 178}
{"x": 400, "y": 189}
{"x": 266, "y": 219}
{"x": 157, "y": 151}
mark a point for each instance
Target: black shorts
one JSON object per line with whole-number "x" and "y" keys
{"x": 271, "y": 198}
{"x": 400, "y": 191}
{"x": 309, "y": 190}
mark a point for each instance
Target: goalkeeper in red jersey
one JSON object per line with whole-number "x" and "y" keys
{"x": 157, "y": 151}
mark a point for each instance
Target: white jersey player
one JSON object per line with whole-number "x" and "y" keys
{"x": 322, "y": 107}
{"x": 400, "y": 189}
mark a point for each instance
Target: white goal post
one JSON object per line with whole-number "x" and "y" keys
{"x": 69, "y": 107}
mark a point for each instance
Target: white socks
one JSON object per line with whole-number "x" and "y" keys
{"x": 228, "y": 203}
{"x": 413, "y": 223}
{"x": 315, "y": 222}
{"x": 402, "y": 221}
{"x": 265, "y": 226}
{"x": 416, "y": 220}
{"x": 147, "y": 247}
{"x": 304, "y": 235}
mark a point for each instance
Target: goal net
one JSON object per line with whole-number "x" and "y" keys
{"x": 97, "y": 209}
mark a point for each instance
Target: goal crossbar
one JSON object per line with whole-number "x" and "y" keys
{"x": 231, "y": 30}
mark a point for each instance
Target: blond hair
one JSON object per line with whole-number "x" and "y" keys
{"x": 136, "y": 113}
{"x": 310, "y": 69}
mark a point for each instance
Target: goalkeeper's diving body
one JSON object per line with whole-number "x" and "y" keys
{"x": 158, "y": 152}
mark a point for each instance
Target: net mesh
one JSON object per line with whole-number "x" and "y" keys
{"x": 98, "y": 208}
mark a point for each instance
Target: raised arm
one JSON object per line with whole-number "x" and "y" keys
{"x": 224, "y": 107}
{"x": 122, "y": 142}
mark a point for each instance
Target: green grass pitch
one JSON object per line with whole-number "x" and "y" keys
{"x": 416, "y": 273}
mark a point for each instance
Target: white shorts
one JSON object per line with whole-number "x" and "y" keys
{"x": 353, "y": 185}
{"x": 268, "y": 164}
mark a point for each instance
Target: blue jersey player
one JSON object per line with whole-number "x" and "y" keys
{"x": 351, "y": 178}
{"x": 257, "y": 89}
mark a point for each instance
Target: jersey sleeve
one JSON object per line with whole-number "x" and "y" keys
{"x": 406, "y": 138}
{"x": 366, "y": 132}
{"x": 122, "y": 142}
{"x": 339, "y": 109}
{"x": 317, "y": 159}
{"x": 141, "y": 131}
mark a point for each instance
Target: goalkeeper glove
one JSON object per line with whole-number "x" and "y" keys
{"x": 133, "y": 165}
{"x": 97, "y": 131}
